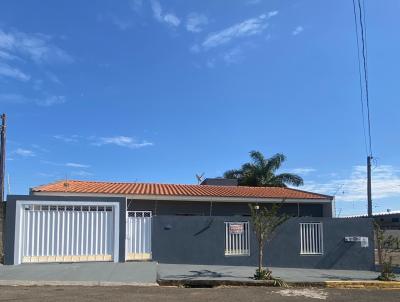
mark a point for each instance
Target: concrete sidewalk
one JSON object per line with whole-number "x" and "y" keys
{"x": 89, "y": 274}
{"x": 149, "y": 273}
{"x": 244, "y": 273}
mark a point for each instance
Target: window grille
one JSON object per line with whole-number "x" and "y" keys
{"x": 311, "y": 238}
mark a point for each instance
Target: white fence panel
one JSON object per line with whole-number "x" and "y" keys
{"x": 138, "y": 235}
{"x": 54, "y": 233}
{"x": 311, "y": 238}
{"x": 237, "y": 239}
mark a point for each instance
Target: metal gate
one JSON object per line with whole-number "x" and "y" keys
{"x": 138, "y": 235}
{"x": 67, "y": 233}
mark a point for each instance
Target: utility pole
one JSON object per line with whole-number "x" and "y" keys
{"x": 3, "y": 155}
{"x": 2, "y": 171}
{"x": 369, "y": 158}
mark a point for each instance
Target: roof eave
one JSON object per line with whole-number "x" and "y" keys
{"x": 190, "y": 198}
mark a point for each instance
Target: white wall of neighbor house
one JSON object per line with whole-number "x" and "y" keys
{"x": 71, "y": 231}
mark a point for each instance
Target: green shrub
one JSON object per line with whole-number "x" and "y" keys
{"x": 387, "y": 271}
{"x": 266, "y": 274}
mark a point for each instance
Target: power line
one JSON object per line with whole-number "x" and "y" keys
{"x": 360, "y": 78}
{"x": 365, "y": 65}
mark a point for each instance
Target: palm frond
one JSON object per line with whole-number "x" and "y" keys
{"x": 260, "y": 172}
{"x": 289, "y": 178}
{"x": 258, "y": 158}
{"x": 233, "y": 174}
{"x": 275, "y": 162}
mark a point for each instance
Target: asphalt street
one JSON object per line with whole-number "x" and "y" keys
{"x": 166, "y": 294}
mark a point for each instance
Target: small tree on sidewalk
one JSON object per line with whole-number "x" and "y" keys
{"x": 265, "y": 221}
{"x": 386, "y": 246}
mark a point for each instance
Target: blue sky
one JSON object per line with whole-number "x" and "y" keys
{"x": 157, "y": 91}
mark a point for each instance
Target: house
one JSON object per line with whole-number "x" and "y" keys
{"x": 389, "y": 220}
{"x": 209, "y": 223}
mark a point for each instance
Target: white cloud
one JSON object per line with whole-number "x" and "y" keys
{"x": 136, "y": 5}
{"x": 76, "y": 165}
{"x": 119, "y": 140}
{"x": 249, "y": 27}
{"x": 7, "y": 56}
{"x": 210, "y": 63}
{"x": 67, "y": 139}
{"x": 69, "y": 164}
{"x": 39, "y": 148}
{"x": 121, "y": 23}
{"x": 18, "y": 49}
{"x": 52, "y": 77}
{"x": 44, "y": 174}
{"x": 13, "y": 98}
{"x": 385, "y": 183}
{"x": 24, "y": 152}
{"x": 172, "y": 19}
{"x": 46, "y": 101}
{"x": 298, "y": 30}
{"x": 253, "y": 2}
{"x": 233, "y": 56}
{"x": 13, "y": 72}
{"x": 272, "y": 13}
{"x": 122, "y": 141}
{"x": 195, "y": 22}
{"x": 51, "y": 100}
{"x": 36, "y": 47}
{"x": 167, "y": 18}
{"x": 302, "y": 171}
{"x": 82, "y": 173}
{"x": 195, "y": 48}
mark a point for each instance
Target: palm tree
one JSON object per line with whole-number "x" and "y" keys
{"x": 261, "y": 172}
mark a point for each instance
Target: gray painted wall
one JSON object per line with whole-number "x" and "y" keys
{"x": 201, "y": 240}
{"x": 202, "y": 208}
{"x": 11, "y": 212}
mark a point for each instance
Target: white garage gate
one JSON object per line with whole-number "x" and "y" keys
{"x": 68, "y": 231}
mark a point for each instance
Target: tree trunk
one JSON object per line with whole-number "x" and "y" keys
{"x": 260, "y": 254}
{"x": 379, "y": 246}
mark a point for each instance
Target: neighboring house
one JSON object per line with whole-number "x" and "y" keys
{"x": 72, "y": 221}
{"x": 389, "y": 220}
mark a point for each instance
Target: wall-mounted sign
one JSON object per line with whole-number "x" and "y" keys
{"x": 236, "y": 228}
{"x": 363, "y": 240}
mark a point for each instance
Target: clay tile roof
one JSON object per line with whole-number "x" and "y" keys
{"x": 121, "y": 188}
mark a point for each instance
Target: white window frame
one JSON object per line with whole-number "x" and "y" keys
{"x": 237, "y": 244}
{"x": 311, "y": 238}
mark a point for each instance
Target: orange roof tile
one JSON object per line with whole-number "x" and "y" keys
{"x": 77, "y": 186}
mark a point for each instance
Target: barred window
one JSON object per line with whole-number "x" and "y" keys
{"x": 237, "y": 239}
{"x": 311, "y": 238}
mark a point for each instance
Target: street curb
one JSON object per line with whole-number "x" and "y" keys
{"x": 212, "y": 283}
{"x": 71, "y": 283}
{"x": 362, "y": 284}
{"x": 269, "y": 283}
{"x": 217, "y": 283}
